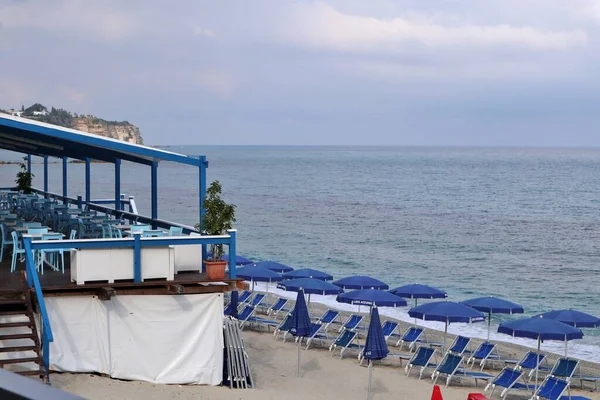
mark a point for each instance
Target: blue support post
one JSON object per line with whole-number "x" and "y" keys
{"x": 64, "y": 171}
{"x": 46, "y": 177}
{"x": 28, "y": 162}
{"x": 88, "y": 173}
{"x": 203, "y": 165}
{"x": 232, "y": 253}
{"x": 118, "y": 184}
{"x": 137, "y": 257}
{"x": 154, "y": 192}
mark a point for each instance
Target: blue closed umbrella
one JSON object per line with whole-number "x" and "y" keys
{"x": 308, "y": 273}
{"x": 234, "y": 303}
{"x": 371, "y": 297}
{"x": 239, "y": 260}
{"x": 360, "y": 282}
{"x": 274, "y": 266}
{"x": 494, "y": 305}
{"x": 310, "y": 286}
{"x": 254, "y": 273}
{"x": 574, "y": 318}
{"x": 541, "y": 329}
{"x": 300, "y": 324}
{"x": 447, "y": 312}
{"x": 375, "y": 345}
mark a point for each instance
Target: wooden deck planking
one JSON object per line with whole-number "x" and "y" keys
{"x": 58, "y": 284}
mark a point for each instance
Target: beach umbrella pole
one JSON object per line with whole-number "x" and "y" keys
{"x": 370, "y": 379}
{"x": 416, "y": 300}
{"x": 445, "y": 336}
{"x": 566, "y": 347}
{"x": 298, "y": 371}
{"x": 489, "y": 324}
{"x": 538, "y": 364}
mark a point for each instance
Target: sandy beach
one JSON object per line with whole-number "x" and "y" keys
{"x": 323, "y": 376}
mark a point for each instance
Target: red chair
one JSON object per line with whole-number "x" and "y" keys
{"x": 477, "y": 396}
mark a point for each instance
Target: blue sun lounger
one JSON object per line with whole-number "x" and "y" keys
{"x": 391, "y": 330}
{"x": 564, "y": 368}
{"x": 257, "y": 300}
{"x": 421, "y": 358}
{"x": 460, "y": 346}
{"x": 316, "y": 333}
{"x": 484, "y": 353}
{"x": 529, "y": 362}
{"x": 451, "y": 367}
{"x": 346, "y": 340}
{"x": 329, "y": 317}
{"x": 508, "y": 379}
{"x": 247, "y": 316}
{"x": 352, "y": 323}
{"x": 410, "y": 337}
{"x": 552, "y": 388}
{"x": 244, "y": 296}
{"x": 278, "y": 306}
{"x": 284, "y": 327}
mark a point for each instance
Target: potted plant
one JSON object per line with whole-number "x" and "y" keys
{"x": 24, "y": 178}
{"x": 217, "y": 219}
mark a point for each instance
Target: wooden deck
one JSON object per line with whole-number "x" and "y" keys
{"x": 59, "y": 284}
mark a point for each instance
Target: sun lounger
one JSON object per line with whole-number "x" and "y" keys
{"x": 552, "y": 388}
{"x": 460, "y": 346}
{"x": 508, "y": 379}
{"x": 352, "y": 323}
{"x": 410, "y": 337}
{"x": 277, "y": 307}
{"x": 316, "y": 333}
{"x": 228, "y": 309}
{"x": 244, "y": 296}
{"x": 245, "y": 315}
{"x": 564, "y": 368}
{"x": 451, "y": 367}
{"x": 588, "y": 378}
{"x": 257, "y": 300}
{"x": 531, "y": 361}
{"x": 484, "y": 353}
{"x": 283, "y": 327}
{"x": 421, "y": 358}
{"x": 391, "y": 330}
{"x": 346, "y": 340}
{"x": 329, "y": 317}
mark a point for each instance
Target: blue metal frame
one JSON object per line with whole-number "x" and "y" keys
{"x": 154, "y": 191}
{"x": 88, "y": 180}
{"x": 45, "y": 174}
{"x": 65, "y": 165}
{"x": 118, "y": 184}
{"x": 203, "y": 165}
{"x": 22, "y": 135}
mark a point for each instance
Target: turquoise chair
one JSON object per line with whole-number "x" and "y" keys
{"x": 17, "y": 249}
{"x": 54, "y": 252}
{"x": 175, "y": 231}
{"x": 73, "y": 234}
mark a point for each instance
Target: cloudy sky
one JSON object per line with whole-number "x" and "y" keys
{"x": 400, "y": 72}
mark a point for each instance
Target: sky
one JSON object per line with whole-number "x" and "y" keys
{"x": 300, "y": 72}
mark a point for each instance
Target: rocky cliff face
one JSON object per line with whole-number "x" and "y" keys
{"x": 117, "y": 130}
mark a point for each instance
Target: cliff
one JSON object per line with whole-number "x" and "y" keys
{"x": 120, "y": 130}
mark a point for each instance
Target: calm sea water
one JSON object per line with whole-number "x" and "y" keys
{"x": 523, "y": 224}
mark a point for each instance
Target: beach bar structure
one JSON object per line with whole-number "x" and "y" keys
{"x": 136, "y": 306}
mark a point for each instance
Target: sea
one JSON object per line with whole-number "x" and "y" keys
{"x": 518, "y": 223}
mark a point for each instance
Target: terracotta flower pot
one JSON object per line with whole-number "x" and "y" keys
{"x": 215, "y": 269}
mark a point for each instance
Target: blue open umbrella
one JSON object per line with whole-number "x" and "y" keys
{"x": 541, "y": 329}
{"x": 308, "y": 273}
{"x": 360, "y": 282}
{"x": 239, "y": 260}
{"x": 371, "y": 297}
{"x": 375, "y": 345}
{"x": 493, "y": 305}
{"x": 300, "y": 324}
{"x": 574, "y": 318}
{"x": 274, "y": 266}
{"x": 418, "y": 291}
{"x": 254, "y": 273}
{"x": 447, "y": 312}
{"x": 310, "y": 286}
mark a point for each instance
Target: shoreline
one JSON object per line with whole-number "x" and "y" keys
{"x": 557, "y": 347}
